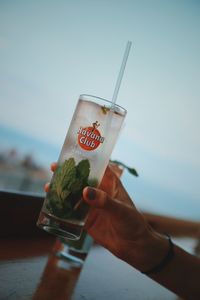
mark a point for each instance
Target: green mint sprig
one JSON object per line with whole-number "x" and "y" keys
{"x": 130, "y": 170}
{"x": 66, "y": 188}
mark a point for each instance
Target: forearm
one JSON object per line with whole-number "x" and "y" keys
{"x": 181, "y": 274}
{"x": 120, "y": 228}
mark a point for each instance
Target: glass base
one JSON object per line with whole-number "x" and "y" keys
{"x": 58, "y": 227}
{"x": 72, "y": 257}
{"x": 81, "y": 246}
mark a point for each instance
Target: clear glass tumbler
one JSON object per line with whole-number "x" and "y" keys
{"x": 82, "y": 162}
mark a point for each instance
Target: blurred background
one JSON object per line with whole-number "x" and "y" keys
{"x": 52, "y": 51}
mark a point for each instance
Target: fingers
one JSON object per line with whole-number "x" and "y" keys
{"x": 46, "y": 187}
{"x": 53, "y": 166}
{"x": 118, "y": 170}
{"x": 109, "y": 183}
{"x": 99, "y": 199}
{"x": 94, "y": 197}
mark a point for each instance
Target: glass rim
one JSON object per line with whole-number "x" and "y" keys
{"x": 108, "y": 101}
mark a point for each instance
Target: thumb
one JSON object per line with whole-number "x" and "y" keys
{"x": 99, "y": 199}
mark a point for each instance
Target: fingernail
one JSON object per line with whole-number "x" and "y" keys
{"x": 91, "y": 193}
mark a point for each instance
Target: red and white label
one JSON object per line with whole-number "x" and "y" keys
{"x": 89, "y": 138}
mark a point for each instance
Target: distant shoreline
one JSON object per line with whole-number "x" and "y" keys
{"x": 43, "y": 152}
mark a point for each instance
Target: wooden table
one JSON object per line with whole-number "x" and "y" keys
{"x": 30, "y": 269}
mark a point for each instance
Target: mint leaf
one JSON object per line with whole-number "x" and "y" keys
{"x": 75, "y": 185}
{"x": 66, "y": 188}
{"x": 63, "y": 175}
{"x": 64, "y": 194}
{"x": 68, "y": 172}
{"x": 132, "y": 171}
{"x": 61, "y": 209}
{"x": 54, "y": 202}
{"x": 83, "y": 169}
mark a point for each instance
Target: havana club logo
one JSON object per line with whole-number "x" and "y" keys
{"x": 89, "y": 138}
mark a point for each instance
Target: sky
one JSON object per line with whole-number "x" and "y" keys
{"x": 53, "y": 51}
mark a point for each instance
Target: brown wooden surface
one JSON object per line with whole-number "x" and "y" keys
{"x": 29, "y": 269}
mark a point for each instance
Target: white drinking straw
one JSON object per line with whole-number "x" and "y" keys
{"x": 121, "y": 72}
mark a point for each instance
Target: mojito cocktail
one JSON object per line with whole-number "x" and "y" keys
{"x": 85, "y": 154}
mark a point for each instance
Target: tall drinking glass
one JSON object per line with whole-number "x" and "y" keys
{"x": 82, "y": 162}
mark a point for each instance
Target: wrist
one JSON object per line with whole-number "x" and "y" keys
{"x": 149, "y": 251}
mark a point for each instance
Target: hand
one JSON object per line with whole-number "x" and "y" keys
{"x": 118, "y": 226}
{"x": 115, "y": 223}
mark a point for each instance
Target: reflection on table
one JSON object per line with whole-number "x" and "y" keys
{"x": 59, "y": 277}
